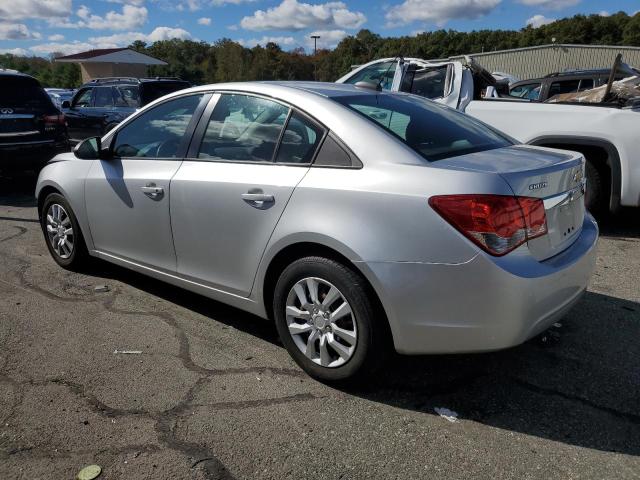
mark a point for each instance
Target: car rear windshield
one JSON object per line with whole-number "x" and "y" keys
{"x": 432, "y": 130}
{"x": 17, "y": 91}
{"x": 154, "y": 90}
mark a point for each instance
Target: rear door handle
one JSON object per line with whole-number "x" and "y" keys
{"x": 152, "y": 191}
{"x": 257, "y": 199}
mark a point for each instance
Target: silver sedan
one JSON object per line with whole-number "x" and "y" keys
{"x": 359, "y": 221}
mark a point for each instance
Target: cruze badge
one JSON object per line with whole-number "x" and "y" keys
{"x": 538, "y": 186}
{"x": 6, "y": 111}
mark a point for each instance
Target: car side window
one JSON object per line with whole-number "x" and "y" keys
{"x": 103, "y": 97}
{"x": 83, "y": 99}
{"x": 586, "y": 84}
{"x": 299, "y": 141}
{"x": 380, "y": 73}
{"x": 243, "y": 128}
{"x": 530, "y": 91}
{"x": 333, "y": 154}
{"x": 427, "y": 82}
{"x": 566, "y": 86}
{"x": 126, "y": 96}
{"x": 159, "y": 131}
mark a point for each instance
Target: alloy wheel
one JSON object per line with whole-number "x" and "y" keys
{"x": 60, "y": 231}
{"x": 321, "y": 322}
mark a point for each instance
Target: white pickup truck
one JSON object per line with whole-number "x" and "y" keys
{"x": 606, "y": 134}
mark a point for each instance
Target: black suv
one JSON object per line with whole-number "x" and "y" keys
{"x": 99, "y": 105}
{"x": 32, "y": 129}
{"x": 541, "y": 89}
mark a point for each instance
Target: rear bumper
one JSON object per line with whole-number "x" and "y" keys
{"x": 25, "y": 155}
{"x": 486, "y": 303}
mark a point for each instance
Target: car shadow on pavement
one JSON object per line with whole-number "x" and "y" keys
{"x": 578, "y": 383}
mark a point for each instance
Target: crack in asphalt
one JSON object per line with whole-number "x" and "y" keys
{"x": 165, "y": 421}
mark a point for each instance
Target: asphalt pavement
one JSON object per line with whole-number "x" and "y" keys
{"x": 149, "y": 381}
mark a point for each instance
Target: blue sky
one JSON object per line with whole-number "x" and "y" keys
{"x": 40, "y": 27}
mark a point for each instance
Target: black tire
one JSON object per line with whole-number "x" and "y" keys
{"x": 371, "y": 346}
{"x": 595, "y": 197}
{"x": 78, "y": 259}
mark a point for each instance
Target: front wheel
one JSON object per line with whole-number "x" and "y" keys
{"x": 62, "y": 233}
{"x": 327, "y": 321}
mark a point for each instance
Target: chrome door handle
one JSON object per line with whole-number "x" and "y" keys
{"x": 152, "y": 191}
{"x": 257, "y": 199}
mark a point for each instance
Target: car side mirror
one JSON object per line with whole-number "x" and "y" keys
{"x": 91, "y": 149}
{"x": 66, "y": 104}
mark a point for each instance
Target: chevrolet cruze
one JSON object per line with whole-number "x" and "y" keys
{"x": 357, "y": 220}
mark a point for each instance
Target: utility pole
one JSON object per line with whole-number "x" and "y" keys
{"x": 315, "y": 58}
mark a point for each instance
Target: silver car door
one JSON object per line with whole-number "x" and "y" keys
{"x": 127, "y": 196}
{"x": 248, "y": 155}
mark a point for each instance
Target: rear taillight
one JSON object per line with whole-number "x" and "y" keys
{"x": 53, "y": 121}
{"x": 496, "y": 223}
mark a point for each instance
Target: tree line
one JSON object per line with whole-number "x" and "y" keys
{"x": 227, "y": 60}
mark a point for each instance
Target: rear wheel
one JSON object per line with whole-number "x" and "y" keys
{"x": 62, "y": 233}
{"x": 595, "y": 198}
{"x": 326, "y": 320}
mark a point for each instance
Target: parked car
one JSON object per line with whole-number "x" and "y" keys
{"x": 541, "y": 89}
{"x": 99, "y": 105}
{"x": 606, "y": 134}
{"x": 32, "y": 129}
{"x": 60, "y": 95}
{"x": 354, "y": 218}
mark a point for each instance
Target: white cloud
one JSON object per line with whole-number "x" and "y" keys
{"x": 167, "y": 33}
{"x": 293, "y": 15}
{"x": 204, "y": 21}
{"x": 438, "y": 11}
{"x": 281, "y": 41}
{"x": 56, "y": 38}
{"x": 131, "y": 17}
{"x": 328, "y": 38}
{"x": 604, "y": 13}
{"x": 539, "y": 20}
{"x": 219, "y": 3}
{"x": 111, "y": 41}
{"x": 20, "y": 52}
{"x": 137, "y": 3}
{"x": 16, "y": 31}
{"x": 18, "y": 9}
{"x": 550, "y": 4}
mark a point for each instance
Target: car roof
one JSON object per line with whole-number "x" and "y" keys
{"x": 14, "y": 73}
{"x": 132, "y": 81}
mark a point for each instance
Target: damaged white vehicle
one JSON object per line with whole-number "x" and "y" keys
{"x": 606, "y": 134}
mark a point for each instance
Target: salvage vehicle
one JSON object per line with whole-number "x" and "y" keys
{"x": 569, "y": 81}
{"x": 356, "y": 219}
{"x": 32, "y": 129}
{"x": 102, "y": 103}
{"x": 606, "y": 133}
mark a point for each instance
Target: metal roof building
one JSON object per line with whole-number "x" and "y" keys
{"x": 534, "y": 62}
{"x": 111, "y": 62}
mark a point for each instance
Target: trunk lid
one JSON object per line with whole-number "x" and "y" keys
{"x": 556, "y": 177}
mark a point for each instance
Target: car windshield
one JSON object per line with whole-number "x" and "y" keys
{"x": 432, "y": 130}
{"x": 17, "y": 91}
{"x": 154, "y": 90}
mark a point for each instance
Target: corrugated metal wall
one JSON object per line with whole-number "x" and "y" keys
{"x": 535, "y": 62}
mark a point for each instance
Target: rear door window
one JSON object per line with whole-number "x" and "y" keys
{"x": 565, "y": 86}
{"x": 243, "y": 128}
{"x": 299, "y": 141}
{"x": 103, "y": 97}
{"x": 427, "y": 82}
